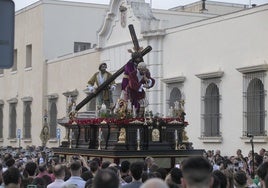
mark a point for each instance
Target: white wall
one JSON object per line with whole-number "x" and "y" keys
{"x": 221, "y": 44}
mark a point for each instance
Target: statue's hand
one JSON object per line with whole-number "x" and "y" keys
{"x": 112, "y": 87}
{"x": 91, "y": 89}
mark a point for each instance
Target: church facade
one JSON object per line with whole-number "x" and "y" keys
{"x": 215, "y": 63}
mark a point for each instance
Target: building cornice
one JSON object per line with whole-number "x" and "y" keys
{"x": 254, "y": 68}
{"x": 178, "y": 79}
{"x": 210, "y": 75}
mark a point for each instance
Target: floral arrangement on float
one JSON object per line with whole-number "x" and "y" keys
{"x": 123, "y": 113}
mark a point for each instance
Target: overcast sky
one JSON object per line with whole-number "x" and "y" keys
{"x": 159, "y": 4}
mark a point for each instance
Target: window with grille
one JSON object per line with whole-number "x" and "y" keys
{"x": 1, "y": 120}
{"x": 27, "y": 125}
{"x": 210, "y": 104}
{"x": 254, "y": 103}
{"x": 53, "y": 118}
{"x": 211, "y": 115}
{"x": 12, "y": 120}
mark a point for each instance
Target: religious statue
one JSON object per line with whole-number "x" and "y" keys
{"x": 136, "y": 78}
{"x": 105, "y": 96}
{"x": 155, "y": 135}
{"x": 122, "y": 136}
{"x": 44, "y": 135}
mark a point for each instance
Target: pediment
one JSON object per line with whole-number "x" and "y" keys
{"x": 114, "y": 30}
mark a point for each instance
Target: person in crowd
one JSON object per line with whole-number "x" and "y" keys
{"x": 1, "y": 176}
{"x": 106, "y": 178}
{"x": 43, "y": 171}
{"x": 174, "y": 177}
{"x": 262, "y": 172}
{"x": 105, "y": 96}
{"x": 240, "y": 179}
{"x": 148, "y": 163}
{"x": 29, "y": 173}
{"x": 221, "y": 177}
{"x": 124, "y": 171}
{"x": 94, "y": 167}
{"x": 154, "y": 183}
{"x": 145, "y": 176}
{"x": 12, "y": 178}
{"x": 196, "y": 172}
{"x": 136, "y": 169}
{"x": 75, "y": 179}
{"x": 59, "y": 173}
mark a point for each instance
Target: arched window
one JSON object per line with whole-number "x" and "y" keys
{"x": 1, "y": 121}
{"x": 255, "y": 114}
{"x": 27, "y": 120}
{"x": 175, "y": 95}
{"x": 212, "y": 111}
{"x": 12, "y": 120}
{"x": 53, "y": 118}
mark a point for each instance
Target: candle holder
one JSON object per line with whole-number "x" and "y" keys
{"x": 138, "y": 145}
{"x": 70, "y": 138}
{"x": 176, "y": 144}
{"x": 99, "y": 143}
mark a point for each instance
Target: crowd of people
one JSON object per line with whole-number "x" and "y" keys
{"x": 39, "y": 168}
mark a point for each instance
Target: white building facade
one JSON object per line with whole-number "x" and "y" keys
{"x": 216, "y": 63}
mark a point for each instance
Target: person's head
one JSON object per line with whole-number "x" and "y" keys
{"x": 59, "y": 171}
{"x": 145, "y": 176}
{"x": 154, "y": 183}
{"x": 240, "y": 179}
{"x": 136, "y": 169}
{"x": 124, "y": 167}
{"x": 9, "y": 160}
{"x": 221, "y": 177}
{"x": 137, "y": 57}
{"x": 30, "y": 168}
{"x": 76, "y": 168}
{"x": 196, "y": 172}
{"x": 94, "y": 166}
{"x": 103, "y": 67}
{"x": 12, "y": 177}
{"x": 176, "y": 175}
{"x": 42, "y": 167}
{"x": 262, "y": 172}
{"x": 262, "y": 151}
{"x": 106, "y": 178}
{"x": 142, "y": 68}
{"x": 105, "y": 164}
{"x": 149, "y": 161}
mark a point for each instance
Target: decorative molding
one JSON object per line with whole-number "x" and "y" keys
{"x": 53, "y": 96}
{"x": 53, "y": 140}
{"x": 214, "y": 139}
{"x": 12, "y": 140}
{"x": 27, "y": 140}
{"x": 254, "y": 68}
{"x": 179, "y": 79}
{"x": 209, "y": 75}
{"x": 257, "y": 139}
{"x": 12, "y": 100}
{"x": 27, "y": 99}
{"x": 73, "y": 93}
